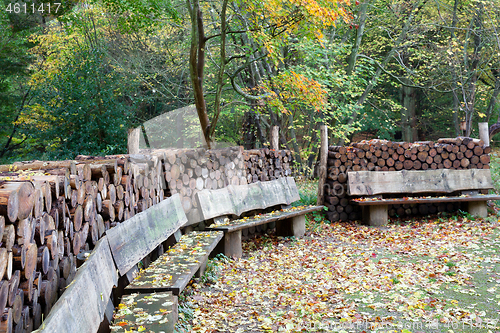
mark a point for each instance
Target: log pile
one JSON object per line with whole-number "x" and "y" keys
{"x": 383, "y": 155}
{"x": 52, "y": 211}
{"x": 188, "y": 171}
{"x": 49, "y": 213}
{"x": 266, "y": 164}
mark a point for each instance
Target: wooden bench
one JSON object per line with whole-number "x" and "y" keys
{"x": 161, "y": 282}
{"x": 150, "y": 312}
{"x": 86, "y": 304}
{"x": 427, "y": 186}
{"x": 216, "y": 206}
{"x": 174, "y": 269}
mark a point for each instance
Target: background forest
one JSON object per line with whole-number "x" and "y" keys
{"x": 74, "y": 81}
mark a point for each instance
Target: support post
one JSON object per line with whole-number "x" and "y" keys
{"x": 295, "y": 226}
{"x": 376, "y": 216}
{"x": 477, "y": 208}
{"x": 232, "y": 244}
{"x": 134, "y": 135}
{"x": 322, "y": 164}
{"x": 484, "y": 133}
{"x": 275, "y": 138}
{"x": 199, "y": 273}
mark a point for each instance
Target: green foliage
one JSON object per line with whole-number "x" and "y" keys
{"x": 186, "y": 314}
{"x": 81, "y": 109}
{"x": 320, "y": 61}
{"x": 229, "y": 125}
{"x": 14, "y": 63}
{"x": 140, "y": 15}
{"x": 213, "y": 268}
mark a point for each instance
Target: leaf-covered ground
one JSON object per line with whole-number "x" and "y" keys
{"x": 433, "y": 274}
{"x": 440, "y": 274}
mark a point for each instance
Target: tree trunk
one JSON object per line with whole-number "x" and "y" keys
{"x": 293, "y": 136}
{"x": 220, "y": 75}
{"x": 408, "y": 114}
{"x": 494, "y": 98}
{"x": 196, "y": 65}
{"x": 351, "y": 61}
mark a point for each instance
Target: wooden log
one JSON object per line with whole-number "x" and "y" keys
{"x": 4, "y": 295}
{"x": 408, "y": 164}
{"x": 16, "y": 200}
{"x": 323, "y": 163}
{"x": 30, "y": 261}
{"x": 6, "y": 322}
{"x": 17, "y": 306}
{"x": 89, "y": 208}
{"x": 119, "y": 207}
{"x": 478, "y": 150}
{"x": 9, "y": 236}
{"x": 108, "y": 210}
{"x": 484, "y": 159}
{"x": 76, "y": 243}
{"x": 43, "y": 259}
{"x": 51, "y": 237}
{"x": 4, "y": 256}
{"x": 111, "y": 193}
{"x": 27, "y": 288}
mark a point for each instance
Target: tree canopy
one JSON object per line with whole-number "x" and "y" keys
{"x": 74, "y": 82}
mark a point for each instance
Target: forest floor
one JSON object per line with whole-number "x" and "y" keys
{"x": 436, "y": 273}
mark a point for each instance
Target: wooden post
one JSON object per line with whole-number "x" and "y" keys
{"x": 134, "y": 135}
{"x": 295, "y": 226}
{"x": 375, "y": 215}
{"x": 484, "y": 133}
{"x": 275, "y": 138}
{"x": 322, "y": 163}
{"x": 477, "y": 208}
{"x": 232, "y": 244}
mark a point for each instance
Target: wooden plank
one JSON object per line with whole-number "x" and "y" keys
{"x": 425, "y": 200}
{"x": 158, "y": 313}
{"x": 274, "y": 193}
{"x": 439, "y": 181}
{"x": 102, "y": 270}
{"x": 173, "y": 270}
{"x": 83, "y": 299}
{"x": 134, "y": 135}
{"x": 82, "y": 306}
{"x": 60, "y": 319}
{"x": 247, "y": 197}
{"x": 215, "y": 203}
{"x": 237, "y": 199}
{"x": 77, "y": 309}
{"x": 135, "y": 238}
{"x": 230, "y": 226}
{"x": 292, "y": 192}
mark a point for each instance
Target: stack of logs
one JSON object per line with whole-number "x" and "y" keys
{"x": 49, "y": 215}
{"x": 382, "y": 155}
{"x": 188, "y": 171}
{"x": 51, "y": 211}
{"x": 266, "y": 164}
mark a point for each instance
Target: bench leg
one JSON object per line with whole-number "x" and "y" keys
{"x": 199, "y": 273}
{"x": 295, "y": 226}
{"x": 477, "y": 208}
{"x": 375, "y": 215}
{"x": 232, "y": 244}
{"x": 175, "y": 309}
